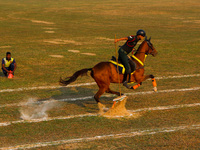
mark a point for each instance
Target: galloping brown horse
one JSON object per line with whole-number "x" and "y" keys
{"x": 105, "y": 73}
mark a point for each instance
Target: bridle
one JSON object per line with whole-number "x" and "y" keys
{"x": 146, "y": 53}
{"x": 150, "y": 46}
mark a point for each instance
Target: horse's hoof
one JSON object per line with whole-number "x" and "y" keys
{"x": 155, "y": 89}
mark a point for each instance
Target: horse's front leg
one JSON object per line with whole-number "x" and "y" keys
{"x": 154, "y": 82}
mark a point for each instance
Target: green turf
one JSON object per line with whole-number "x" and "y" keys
{"x": 172, "y": 27}
{"x": 92, "y": 126}
{"x": 175, "y": 140}
{"x": 90, "y": 26}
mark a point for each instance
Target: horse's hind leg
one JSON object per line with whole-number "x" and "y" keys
{"x": 145, "y": 78}
{"x": 136, "y": 86}
{"x": 99, "y": 93}
{"x": 113, "y": 92}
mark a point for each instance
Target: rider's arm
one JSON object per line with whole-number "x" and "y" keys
{"x": 117, "y": 40}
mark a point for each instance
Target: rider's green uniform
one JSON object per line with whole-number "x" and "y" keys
{"x": 125, "y": 50}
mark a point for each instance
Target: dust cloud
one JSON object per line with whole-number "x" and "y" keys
{"x": 37, "y": 110}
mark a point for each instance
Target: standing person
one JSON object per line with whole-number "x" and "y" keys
{"x": 8, "y": 64}
{"x": 124, "y": 50}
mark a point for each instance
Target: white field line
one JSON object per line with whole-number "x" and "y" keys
{"x": 166, "y": 107}
{"x": 45, "y": 87}
{"x": 89, "y": 115}
{"x": 86, "y": 84}
{"x": 46, "y": 119}
{"x": 91, "y": 97}
{"x": 108, "y": 136}
{"x": 176, "y": 77}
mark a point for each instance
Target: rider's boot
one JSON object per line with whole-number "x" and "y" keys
{"x": 125, "y": 82}
{"x": 129, "y": 78}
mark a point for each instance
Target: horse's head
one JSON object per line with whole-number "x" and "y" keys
{"x": 150, "y": 50}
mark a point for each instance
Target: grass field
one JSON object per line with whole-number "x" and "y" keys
{"x": 34, "y": 30}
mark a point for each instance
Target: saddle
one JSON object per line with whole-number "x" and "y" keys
{"x": 121, "y": 66}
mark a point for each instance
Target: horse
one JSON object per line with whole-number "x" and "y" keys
{"x": 105, "y": 73}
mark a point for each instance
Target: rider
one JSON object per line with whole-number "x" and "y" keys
{"x": 124, "y": 50}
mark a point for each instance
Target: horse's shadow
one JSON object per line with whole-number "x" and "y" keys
{"x": 80, "y": 96}
{"x": 75, "y": 95}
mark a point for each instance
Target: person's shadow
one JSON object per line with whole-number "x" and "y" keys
{"x": 2, "y": 74}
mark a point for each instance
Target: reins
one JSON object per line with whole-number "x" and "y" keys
{"x": 146, "y": 54}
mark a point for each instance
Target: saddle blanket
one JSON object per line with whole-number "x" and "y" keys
{"x": 120, "y": 66}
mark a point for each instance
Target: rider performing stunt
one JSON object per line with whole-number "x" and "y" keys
{"x": 124, "y": 50}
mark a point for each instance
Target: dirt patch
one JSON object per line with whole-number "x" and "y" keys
{"x": 188, "y": 21}
{"x": 191, "y": 21}
{"x": 5, "y": 46}
{"x": 74, "y": 51}
{"x": 58, "y": 9}
{"x": 42, "y": 22}
{"x": 124, "y": 12}
{"x": 118, "y": 111}
{"x": 196, "y": 21}
{"x": 57, "y": 56}
{"x": 90, "y": 54}
{"x": 102, "y": 108}
{"x": 47, "y": 28}
{"x": 1, "y": 18}
{"x": 177, "y": 18}
{"x": 60, "y": 41}
{"x": 49, "y": 31}
{"x": 154, "y": 13}
{"x": 104, "y": 38}
{"x": 73, "y": 146}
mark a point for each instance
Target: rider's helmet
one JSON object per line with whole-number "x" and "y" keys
{"x": 141, "y": 32}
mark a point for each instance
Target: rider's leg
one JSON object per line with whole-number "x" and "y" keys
{"x": 125, "y": 77}
{"x": 129, "y": 77}
{"x": 124, "y": 59}
{"x": 125, "y": 82}
{"x": 132, "y": 65}
{"x": 127, "y": 71}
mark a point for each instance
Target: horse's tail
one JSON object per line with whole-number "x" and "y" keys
{"x": 68, "y": 80}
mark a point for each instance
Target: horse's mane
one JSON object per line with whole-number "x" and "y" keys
{"x": 139, "y": 47}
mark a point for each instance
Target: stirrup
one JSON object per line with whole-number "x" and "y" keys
{"x": 126, "y": 85}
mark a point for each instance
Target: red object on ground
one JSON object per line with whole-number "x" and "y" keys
{"x": 10, "y": 75}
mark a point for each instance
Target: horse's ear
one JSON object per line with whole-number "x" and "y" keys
{"x": 149, "y": 39}
{"x": 145, "y": 38}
